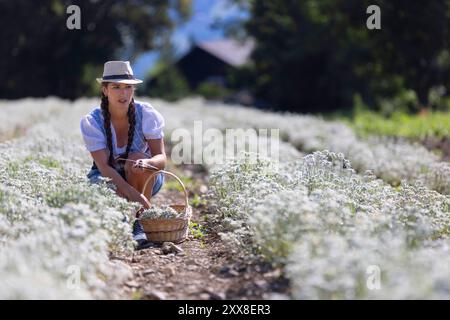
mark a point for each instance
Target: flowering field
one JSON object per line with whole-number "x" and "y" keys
{"x": 329, "y": 226}
{"x": 345, "y": 217}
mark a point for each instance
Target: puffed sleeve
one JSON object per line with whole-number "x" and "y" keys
{"x": 152, "y": 122}
{"x": 92, "y": 135}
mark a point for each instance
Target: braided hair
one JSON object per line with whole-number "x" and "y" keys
{"x": 107, "y": 124}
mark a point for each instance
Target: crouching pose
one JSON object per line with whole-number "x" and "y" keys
{"x": 121, "y": 128}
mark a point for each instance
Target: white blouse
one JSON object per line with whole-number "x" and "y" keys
{"x": 94, "y": 138}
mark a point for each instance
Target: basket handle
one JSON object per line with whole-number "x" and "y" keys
{"x": 170, "y": 174}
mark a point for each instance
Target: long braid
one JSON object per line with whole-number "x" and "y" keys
{"x": 131, "y": 121}
{"x": 107, "y": 125}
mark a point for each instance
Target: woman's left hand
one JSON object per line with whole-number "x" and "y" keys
{"x": 140, "y": 163}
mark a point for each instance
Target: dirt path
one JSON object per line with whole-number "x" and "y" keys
{"x": 205, "y": 269}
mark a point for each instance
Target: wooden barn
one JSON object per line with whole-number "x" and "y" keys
{"x": 210, "y": 61}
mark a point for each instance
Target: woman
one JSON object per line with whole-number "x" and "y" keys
{"x": 122, "y": 128}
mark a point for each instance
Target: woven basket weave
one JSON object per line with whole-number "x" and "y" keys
{"x": 173, "y": 230}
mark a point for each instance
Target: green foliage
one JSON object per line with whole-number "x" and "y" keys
{"x": 91, "y": 71}
{"x": 326, "y": 54}
{"x": 49, "y": 162}
{"x": 66, "y": 194}
{"x": 437, "y": 99}
{"x": 38, "y": 47}
{"x": 13, "y": 167}
{"x": 197, "y": 230}
{"x": 197, "y": 201}
{"x": 46, "y": 161}
{"x": 165, "y": 81}
{"x": 170, "y": 84}
{"x": 212, "y": 91}
{"x": 418, "y": 126}
{"x": 172, "y": 184}
{"x": 137, "y": 295}
{"x": 403, "y": 101}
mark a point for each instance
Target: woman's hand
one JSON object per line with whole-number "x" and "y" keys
{"x": 140, "y": 163}
{"x": 136, "y": 196}
{"x": 144, "y": 201}
{"x": 145, "y": 205}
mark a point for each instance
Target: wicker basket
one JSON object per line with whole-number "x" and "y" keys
{"x": 173, "y": 230}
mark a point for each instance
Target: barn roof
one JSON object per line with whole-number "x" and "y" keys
{"x": 230, "y": 51}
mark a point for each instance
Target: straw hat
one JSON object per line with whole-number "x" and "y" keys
{"x": 118, "y": 71}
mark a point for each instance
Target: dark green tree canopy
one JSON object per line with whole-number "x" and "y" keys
{"x": 316, "y": 55}
{"x": 41, "y": 56}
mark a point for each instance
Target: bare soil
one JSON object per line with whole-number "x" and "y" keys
{"x": 205, "y": 269}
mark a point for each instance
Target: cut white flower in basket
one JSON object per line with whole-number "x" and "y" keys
{"x": 162, "y": 212}
{"x": 167, "y": 222}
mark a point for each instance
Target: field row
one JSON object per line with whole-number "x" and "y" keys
{"x": 324, "y": 217}
{"x": 337, "y": 234}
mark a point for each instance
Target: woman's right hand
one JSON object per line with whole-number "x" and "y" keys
{"x": 145, "y": 204}
{"x": 144, "y": 201}
{"x": 139, "y": 197}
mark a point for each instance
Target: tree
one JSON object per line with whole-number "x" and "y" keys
{"x": 316, "y": 55}
{"x": 41, "y": 56}
{"x": 165, "y": 80}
